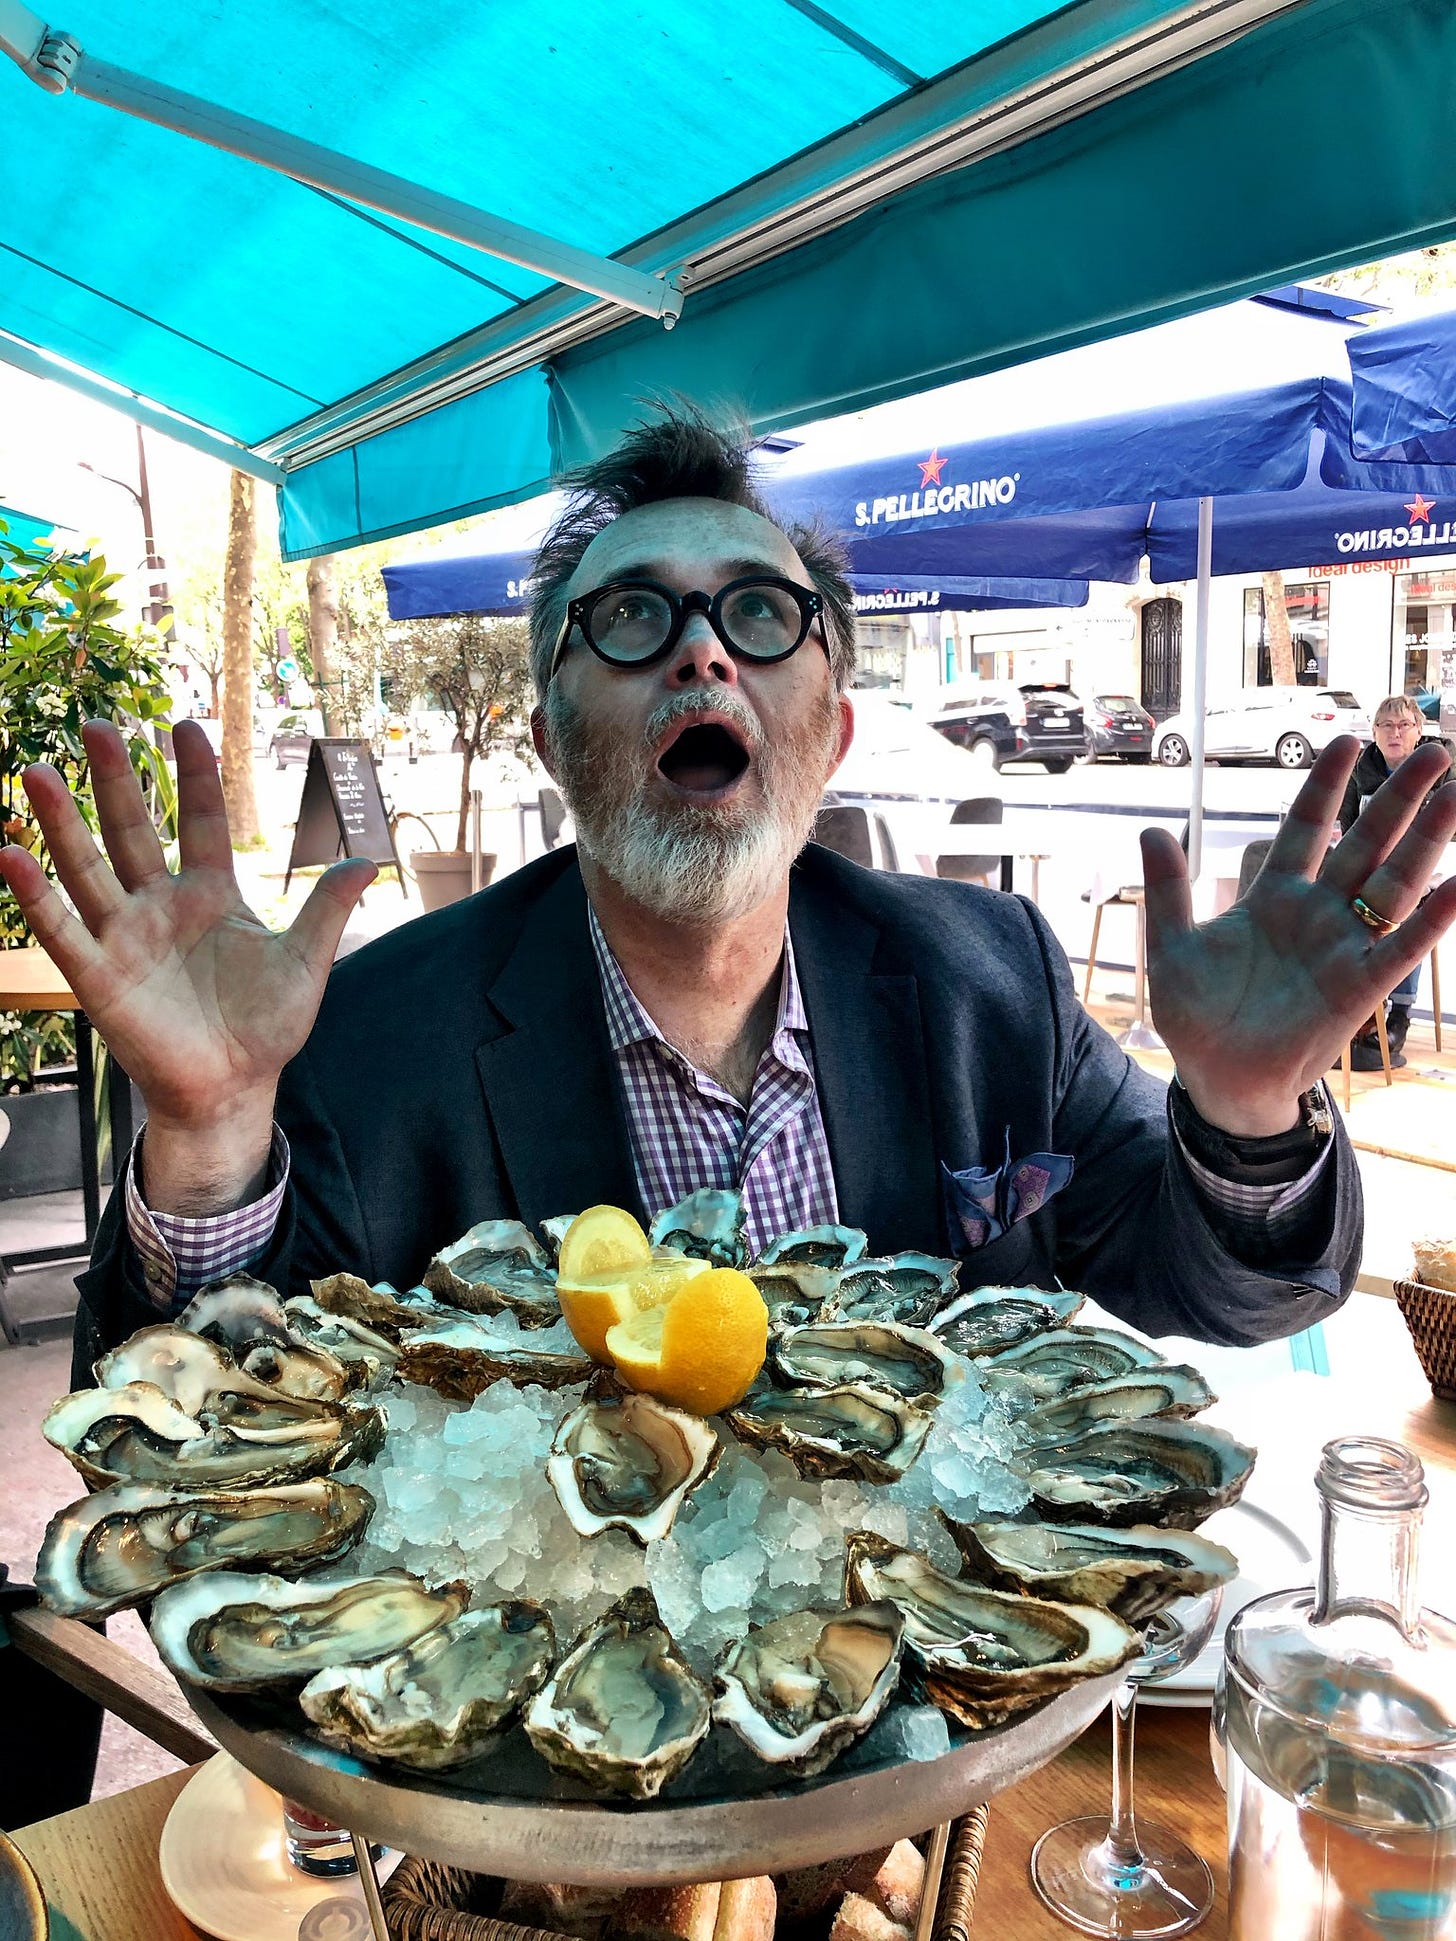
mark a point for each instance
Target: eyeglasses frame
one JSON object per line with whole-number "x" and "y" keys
{"x": 683, "y": 606}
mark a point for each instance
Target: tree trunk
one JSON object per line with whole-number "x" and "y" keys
{"x": 1276, "y": 623}
{"x": 463, "y": 827}
{"x": 237, "y": 666}
{"x": 323, "y": 640}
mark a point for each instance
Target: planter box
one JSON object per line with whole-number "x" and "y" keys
{"x": 43, "y": 1152}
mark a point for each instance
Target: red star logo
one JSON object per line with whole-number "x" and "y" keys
{"x": 930, "y": 469}
{"x": 1420, "y": 509}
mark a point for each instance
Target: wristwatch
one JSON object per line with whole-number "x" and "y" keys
{"x": 1220, "y": 1150}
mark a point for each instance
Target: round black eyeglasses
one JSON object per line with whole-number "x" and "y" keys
{"x": 634, "y": 623}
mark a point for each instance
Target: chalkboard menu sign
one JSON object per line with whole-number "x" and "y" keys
{"x": 342, "y": 812}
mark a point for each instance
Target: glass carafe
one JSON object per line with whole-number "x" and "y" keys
{"x": 1339, "y": 1728}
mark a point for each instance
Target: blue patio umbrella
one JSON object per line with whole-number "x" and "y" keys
{"x": 1403, "y": 377}
{"x": 29, "y": 530}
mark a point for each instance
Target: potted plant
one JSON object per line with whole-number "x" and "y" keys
{"x": 477, "y": 669}
{"x": 63, "y": 662}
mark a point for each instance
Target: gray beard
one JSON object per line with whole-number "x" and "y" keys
{"x": 687, "y": 863}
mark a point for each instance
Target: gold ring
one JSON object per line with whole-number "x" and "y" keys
{"x": 1372, "y": 918}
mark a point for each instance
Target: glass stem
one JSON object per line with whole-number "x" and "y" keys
{"x": 1122, "y": 1840}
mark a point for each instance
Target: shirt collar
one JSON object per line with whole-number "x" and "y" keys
{"x": 629, "y": 1024}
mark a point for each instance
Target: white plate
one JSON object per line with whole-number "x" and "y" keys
{"x": 1272, "y": 1557}
{"x": 224, "y": 1865}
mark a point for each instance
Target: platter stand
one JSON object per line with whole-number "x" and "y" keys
{"x": 511, "y": 1816}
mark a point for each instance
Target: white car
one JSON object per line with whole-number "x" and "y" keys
{"x": 895, "y": 757}
{"x": 1284, "y": 725}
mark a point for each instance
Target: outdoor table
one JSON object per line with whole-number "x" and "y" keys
{"x": 29, "y": 981}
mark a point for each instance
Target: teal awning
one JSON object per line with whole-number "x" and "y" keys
{"x": 408, "y": 261}
{"x": 29, "y": 530}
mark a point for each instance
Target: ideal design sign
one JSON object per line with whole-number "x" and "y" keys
{"x": 934, "y": 498}
{"x": 1421, "y": 534}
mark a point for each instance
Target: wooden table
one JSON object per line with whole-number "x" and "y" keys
{"x": 99, "y": 1865}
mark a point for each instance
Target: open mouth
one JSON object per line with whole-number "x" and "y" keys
{"x": 704, "y": 758}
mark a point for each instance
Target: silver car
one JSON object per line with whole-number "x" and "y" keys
{"x": 1284, "y": 725}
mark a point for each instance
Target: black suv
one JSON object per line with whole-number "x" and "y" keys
{"x": 1040, "y": 722}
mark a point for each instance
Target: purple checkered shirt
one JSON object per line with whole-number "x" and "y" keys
{"x": 688, "y": 1131}
{"x": 179, "y": 1255}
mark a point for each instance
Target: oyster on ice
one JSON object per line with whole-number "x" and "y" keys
{"x": 908, "y": 1362}
{"x": 795, "y": 1293}
{"x": 498, "y": 1267}
{"x": 996, "y": 1318}
{"x": 367, "y": 1356}
{"x": 131, "y": 1540}
{"x": 442, "y": 1700}
{"x": 380, "y": 1306}
{"x": 848, "y": 1430}
{"x": 900, "y": 1287}
{"x": 461, "y": 1359}
{"x": 195, "y": 1372}
{"x": 623, "y": 1711}
{"x": 979, "y": 1654}
{"x": 802, "y": 1688}
{"x": 555, "y": 1230}
{"x": 709, "y": 1224}
{"x": 246, "y": 1317}
{"x": 1134, "y": 1572}
{"x": 1171, "y": 1390}
{"x": 1050, "y": 1364}
{"x": 235, "y": 1632}
{"x": 1175, "y": 1472}
{"x": 627, "y": 1462}
{"x": 824, "y": 1246}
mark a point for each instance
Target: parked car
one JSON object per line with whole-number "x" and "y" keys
{"x": 293, "y": 735}
{"x": 1038, "y": 722}
{"x": 1118, "y": 727}
{"x": 1284, "y": 725}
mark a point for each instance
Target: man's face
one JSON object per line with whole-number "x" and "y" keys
{"x": 693, "y": 782}
{"x": 1396, "y": 735}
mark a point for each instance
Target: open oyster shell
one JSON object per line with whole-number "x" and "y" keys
{"x": 627, "y": 1462}
{"x": 127, "y": 1542}
{"x": 825, "y": 1246}
{"x": 442, "y": 1700}
{"x": 193, "y": 1371}
{"x": 498, "y": 1266}
{"x": 380, "y": 1306}
{"x": 996, "y": 1318}
{"x": 1175, "y": 1472}
{"x": 623, "y": 1711}
{"x": 908, "y": 1362}
{"x": 908, "y": 1288}
{"x": 802, "y": 1688}
{"x": 984, "y": 1655}
{"x": 367, "y": 1356}
{"x": 795, "y": 1293}
{"x": 709, "y": 1224}
{"x": 848, "y": 1430}
{"x": 461, "y": 1359}
{"x": 246, "y": 1317}
{"x": 1134, "y": 1572}
{"x": 235, "y": 1632}
{"x": 1065, "y": 1358}
{"x": 1173, "y": 1390}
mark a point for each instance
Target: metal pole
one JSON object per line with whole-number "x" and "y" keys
{"x": 1200, "y": 685}
{"x": 369, "y": 1884}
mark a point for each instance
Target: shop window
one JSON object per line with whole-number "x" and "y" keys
{"x": 1307, "y": 603}
{"x": 1424, "y": 632}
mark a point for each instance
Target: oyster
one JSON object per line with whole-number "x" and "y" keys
{"x": 131, "y": 1540}
{"x": 1170, "y": 1390}
{"x": 442, "y": 1700}
{"x": 236, "y": 1632}
{"x": 380, "y": 1307}
{"x": 627, "y": 1462}
{"x": 709, "y": 1224}
{"x": 802, "y": 1688}
{"x": 847, "y": 1430}
{"x": 461, "y": 1359}
{"x": 498, "y": 1266}
{"x": 996, "y": 1318}
{"x": 246, "y": 1317}
{"x": 906, "y": 1361}
{"x": 367, "y": 1356}
{"x": 1175, "y": 1472}
{"x": 555, "y": 1229}
{"x": 137, "y": 1434}
{"x": 908, "y": 1288}
{"x": 623, "y": 1711}
{"x": 984, "y": 1655}
{"x": 194, "y": 1372}
{"x": 815, "y": 1247}
{"x": 795, "y": 1293}
{"x": 1065, "y": 1358}
{"x": 1134, "y": 1572}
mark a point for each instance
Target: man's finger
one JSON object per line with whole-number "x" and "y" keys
{"x": 316, "y": 930}
{"x": 1395, "y": 956}
{"x": 1397, "y": 886}
{"x": 63, "y": 937}
{"x": 1384, "y": 819}
{"x": 79, "y": 863}
{"x": 1166, "y": 892}
{"x": 203, "y": 838}
{"x": 1303, "y": 838}
{"x": 126, "y": 827}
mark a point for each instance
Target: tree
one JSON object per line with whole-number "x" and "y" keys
{"x": 1276, "y": 631}
{"x": 237, "y": 645}
{"x": 323, "y": 639}
{"x": 479, "y": 672}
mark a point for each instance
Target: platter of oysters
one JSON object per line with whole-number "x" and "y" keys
{"x": 425, "y": 1562}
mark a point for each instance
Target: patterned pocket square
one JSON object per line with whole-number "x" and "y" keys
{"x": 983, "y": 1202}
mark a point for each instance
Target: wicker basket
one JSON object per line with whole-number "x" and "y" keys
{"x": 1430, "y": 1314}
{"x": 425, "y": 1901}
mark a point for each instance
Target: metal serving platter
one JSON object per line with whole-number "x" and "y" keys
{"x": 725, "y": 1816}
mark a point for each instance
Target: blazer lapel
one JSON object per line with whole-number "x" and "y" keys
{"x": 870, "y": 1063}
{"x": 547, "y": 1074}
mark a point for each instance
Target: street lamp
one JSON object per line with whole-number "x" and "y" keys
{"x": 159, "y": 605}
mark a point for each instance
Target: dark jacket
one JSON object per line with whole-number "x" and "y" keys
{"x": 1370, "y": 772}
{"x": 459, "y": 1070}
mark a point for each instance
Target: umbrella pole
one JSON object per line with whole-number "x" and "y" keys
{"x": 1200, "y": 685}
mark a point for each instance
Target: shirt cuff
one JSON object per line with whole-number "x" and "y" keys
{"x": 179, "y": 1254}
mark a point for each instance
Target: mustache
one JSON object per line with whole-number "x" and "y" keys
{"x": 696, "y": 700}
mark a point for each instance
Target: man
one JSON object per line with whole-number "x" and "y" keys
{"x": 1398, "y": 724}
{"x": 679, "y": 1001}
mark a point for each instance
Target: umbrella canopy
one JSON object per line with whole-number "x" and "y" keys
{"x": 1404, "y": 381}
{"x": 408, "y": 263}
{"x": 29, "y": 530}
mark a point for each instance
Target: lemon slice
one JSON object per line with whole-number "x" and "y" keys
{"x": 603, "y": 1240}
{"x": 597, "y": 1302}
{"x": 701, "y": 1348}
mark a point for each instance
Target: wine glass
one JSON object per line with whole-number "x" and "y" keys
{"x": 1116, "y": 1876}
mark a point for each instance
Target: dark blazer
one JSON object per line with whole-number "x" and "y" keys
{"x": 459, "y": 1070}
